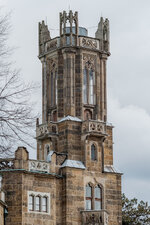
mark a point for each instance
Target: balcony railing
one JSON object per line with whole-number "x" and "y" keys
{"x": 39, "y": 166}
{"x": 47, "y": 128}
{"x": 94, "y": 126}
{"x": 88, "y": 42}
{"x": 85, "y": 42}
{"x": 6, "y": 163}
{"x": 94, "y": 217}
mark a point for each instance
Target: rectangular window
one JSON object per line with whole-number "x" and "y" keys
{"x": 31, "y": 202}
{"x": 37, "y": 203}
{"x": 98, "y": 205}
{"x": 88, "y": 197}
{"x": 88, "y": 204}
{"x": 44, "y": 204}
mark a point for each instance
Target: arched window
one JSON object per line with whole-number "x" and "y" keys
{"x": 93, "y": 152}
{"x": 88, "y": 86}
{"x": 31, "y": 202}
{"x": 91, "y": 87}
{"x": 52, "y": 89}
{"x": 98, "y": 197}
{"x": 88, "y": 197}
{"x": 44, "y": 204}
{"x": 56, "y": 91}
{"x": 85, "y": 100}
{"x": 37, "y": 203}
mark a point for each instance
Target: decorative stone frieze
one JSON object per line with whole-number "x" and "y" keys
{"x": 54, "y": 43}
{"x": 89, "y": 43}
{"x": 38, "y": 166}
{"x": 46, "y": 129}
{"x": 94, "y": 126}
{"x": 89, "y": 61}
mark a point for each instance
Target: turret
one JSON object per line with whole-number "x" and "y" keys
{"x": 102, "y": 34}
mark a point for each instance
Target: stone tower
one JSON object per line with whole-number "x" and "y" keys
{"x": 73, "y": 181}
{"x": 74, "y": 120}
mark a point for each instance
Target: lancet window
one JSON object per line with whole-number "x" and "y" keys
{"x": 53, "y": 83}
{"x": 93, "y": 152}
{"x": 88, "y": 83}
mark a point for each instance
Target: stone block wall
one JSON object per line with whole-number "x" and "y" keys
{"x": 1, "y": 213}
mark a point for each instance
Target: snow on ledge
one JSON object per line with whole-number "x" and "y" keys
{"x": 110, "y": 169}
{"x": 73, "y": 164}
{"x": 72, "y": 118}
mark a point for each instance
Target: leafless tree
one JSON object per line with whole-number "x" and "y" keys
{"x": 16, "y": 117}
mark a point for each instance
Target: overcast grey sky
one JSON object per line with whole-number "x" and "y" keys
{"x": 128, "y": 72}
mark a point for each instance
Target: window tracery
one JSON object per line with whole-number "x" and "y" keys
{"x": 53, "y": 81}
{"x": 89, "y": 79}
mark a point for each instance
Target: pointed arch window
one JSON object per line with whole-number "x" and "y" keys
{"x": 52, "y": 89}
{"x": 93, "y": 152}
{"x": 56, "y": 91}
{"x": 91, "y": 87}
{"x": 85, "y": 90}
{"x": 88, "y": 86}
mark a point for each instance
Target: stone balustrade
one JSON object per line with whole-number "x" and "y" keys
{"x": 87, "y": 42}
{"x": 6, "y": 163}
{"x": 84, "y": 42}
{"x": 43, "y": 129}
{"x": 40, "y": 166}
{"x": 94, "y": 217}
{"x": 94, "y": 126}
{"x": 52, "y": 44}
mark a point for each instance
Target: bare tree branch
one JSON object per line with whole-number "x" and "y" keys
{"x": 16, "y": 114}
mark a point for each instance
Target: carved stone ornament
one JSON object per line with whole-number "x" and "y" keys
{"x": 46, "y": 129}
{"x": 53, "y": 64}
{"x": 51, "y": 44}
{"x": 89, "y": 43}
{"x": 93, "y": 126}
{"x": 38, "y": 166}
{"x": 6, "y": 164}
{"x": 89, "y": 61}
{"x": 94, "y": 219}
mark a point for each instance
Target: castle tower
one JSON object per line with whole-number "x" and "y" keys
{"x": 73, "y": 181}
{"x": 74, "y": 120}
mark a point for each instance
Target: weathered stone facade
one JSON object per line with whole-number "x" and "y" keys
{"x": 73, "y": 181}
{"x": 3, "y": 206}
